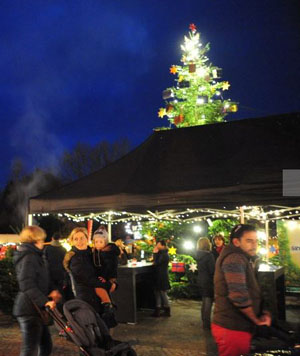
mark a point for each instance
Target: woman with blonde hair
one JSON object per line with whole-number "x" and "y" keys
{"x": 206, "y": 269}
{"x": 32, "y": 276}
{"x": 88, "y": 287}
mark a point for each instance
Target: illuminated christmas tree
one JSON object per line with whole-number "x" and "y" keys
{"x": 197, "y": 97}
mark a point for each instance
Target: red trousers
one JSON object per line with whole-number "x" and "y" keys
{"x": 231, "y": 342}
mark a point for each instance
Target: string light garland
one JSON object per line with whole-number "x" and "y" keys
{"x": 189, "y": 215}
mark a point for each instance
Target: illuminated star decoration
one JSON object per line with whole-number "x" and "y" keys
{"x": 193, "y": 27}
{"x": 225, "y": 86}
{"x": 172, "y": 251}
{"x": 162, "y": 112}
{"x": 173, "y": 70}
{"x": 193, "y": 267}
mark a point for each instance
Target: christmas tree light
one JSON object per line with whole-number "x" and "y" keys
{"x": 196, "y": 99}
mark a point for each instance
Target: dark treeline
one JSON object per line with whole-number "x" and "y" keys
{"x": 81, "y": 160}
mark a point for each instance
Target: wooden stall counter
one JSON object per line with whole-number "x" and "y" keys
{"x": 135, "y": 290}
{"x": 272, "y": 283}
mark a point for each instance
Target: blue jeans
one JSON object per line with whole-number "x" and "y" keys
{"x": 161, "y": 298}
{"x": 36, "y": 338}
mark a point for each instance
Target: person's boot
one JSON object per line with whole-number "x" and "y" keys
{"x": 206, "y": 311}
{"x": 108, "y": 315}
{"x": 156, "y": 313}
{"x": 167, "y": 312}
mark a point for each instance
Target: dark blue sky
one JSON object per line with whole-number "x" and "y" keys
{"x": 88, "y": 70}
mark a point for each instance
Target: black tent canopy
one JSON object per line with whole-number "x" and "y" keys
{"x": 219, "y": 165}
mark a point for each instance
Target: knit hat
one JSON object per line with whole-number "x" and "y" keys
{"x": 101, "y": 232}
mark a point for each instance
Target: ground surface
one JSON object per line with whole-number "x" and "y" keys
{"x": 180, "y": 335}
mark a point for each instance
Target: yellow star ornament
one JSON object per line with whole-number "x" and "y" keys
{"x": 173, "y": 70}
{"x": 162, "y": 112}
{"x": 225, "y": 86}
{"x": 172, "y": 251}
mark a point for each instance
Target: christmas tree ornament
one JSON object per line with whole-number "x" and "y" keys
{"x": 169, "y": 108}
{"x": 192, "y": 68}
{"x": 162, "y": 112}
{"x": 225, "y": 86}
{"x": 193, "y": 27}
{"x": 172, "y": 251}
{"x": 178, "y": 119}
{"x": 233, "y": 108}
{"x": 177, "y": 267}
{"x": 202, "y": 99}
{"x": 201, "y": 72}
{"x": 184, "y": 84}
{"x": 193, "y": 267}
{"x": 167, "y": 94}
{"x": 173, "y": 69}
{"x": 216, "y": 73}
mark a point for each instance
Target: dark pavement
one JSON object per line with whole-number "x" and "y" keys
{"x": 180, "y": 335}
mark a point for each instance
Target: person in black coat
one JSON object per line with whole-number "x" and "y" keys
{"x": 79, "y": 262}
{"x": 206, "y": 269}
{"x": 161, "y": 280}
{"x": 54, "y": 254}
{"x": 34, "y": 288}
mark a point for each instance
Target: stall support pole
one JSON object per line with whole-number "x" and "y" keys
{"x": 29, "y": 219}
{"x": 267, "y": 238}
{"x": 242, "y": 215}
{"x": 109, "y": 227}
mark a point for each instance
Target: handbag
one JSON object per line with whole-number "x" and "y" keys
{"x": 44, "y": 315}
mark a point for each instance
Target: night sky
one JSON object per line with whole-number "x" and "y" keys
{"x": 89, "y": 70}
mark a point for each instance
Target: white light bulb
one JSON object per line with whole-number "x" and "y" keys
{"x": 197, "y": 228}
{"x": 263, "y": 251}
{"x": 188, "y": 245}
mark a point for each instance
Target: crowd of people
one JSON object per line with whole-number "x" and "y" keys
{"x": 47, "y": 277}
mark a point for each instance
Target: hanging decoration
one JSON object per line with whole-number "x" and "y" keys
{"x": 172, "y": 251}
{"x": 193, "y": 267}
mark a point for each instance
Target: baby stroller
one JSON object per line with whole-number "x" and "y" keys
{"x": 83, "y": 326}
{"x": 274, "y": 340}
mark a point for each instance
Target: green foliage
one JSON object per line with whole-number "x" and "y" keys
{"x": 196, "y": 98}
{"x": 184, "y": 290}
{"x": 222, "y": 226}
{"x": 8, "y": 283}
{"x": 184, "y": 285}
{"x": 163, "y": 230}
{"x": 292, "y": 271}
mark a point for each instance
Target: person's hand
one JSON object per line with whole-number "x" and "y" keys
{"x": 101, "y": 279}
{"x": 113, "y": 287}
{"x": 266, "y": 317}
{"x": 155, "y": 250}
{"x": 51, "y": 304}
{"x": 55, "y": 295}
{"x": 263, "y": 320}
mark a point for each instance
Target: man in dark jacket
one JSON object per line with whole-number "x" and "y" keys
{"x": 54, "y": 254}
{"x": 161, "y": 284}
{"x": 237, "y": 294}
